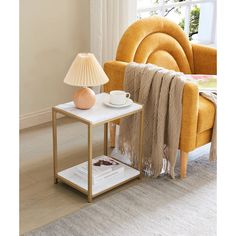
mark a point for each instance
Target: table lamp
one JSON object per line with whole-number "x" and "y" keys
{"x": 85, "y": 71}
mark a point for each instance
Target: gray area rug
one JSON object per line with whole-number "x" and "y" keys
{"x": 151, "y": 207}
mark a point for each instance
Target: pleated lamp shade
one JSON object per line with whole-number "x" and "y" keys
{"x": 85, "y": 71}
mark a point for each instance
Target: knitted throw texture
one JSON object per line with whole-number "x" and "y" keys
{"x": 160, "y": 92}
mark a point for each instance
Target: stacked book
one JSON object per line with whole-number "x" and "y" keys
{"x": 103, "y": 169}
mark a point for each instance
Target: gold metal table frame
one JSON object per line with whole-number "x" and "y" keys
{"x": 88, "y": 192}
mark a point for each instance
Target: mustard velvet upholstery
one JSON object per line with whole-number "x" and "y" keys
{"x": 206, "y": 109}
{"x": 204, "y": 60}
{"x": 160, "y": 41}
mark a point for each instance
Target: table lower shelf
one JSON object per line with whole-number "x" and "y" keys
{"x": 70, "y": 177}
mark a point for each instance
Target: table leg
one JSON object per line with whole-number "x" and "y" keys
{"x": 54, "y": 138}
{"x": 90, "y": 153}
{"x": 141, "y": 141}
{"x": 105, "y": 138}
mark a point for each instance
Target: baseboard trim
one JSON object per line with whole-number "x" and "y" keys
{"x": 36, "y": 118}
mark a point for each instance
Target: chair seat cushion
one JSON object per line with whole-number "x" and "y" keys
{"x": 206, "y": 115}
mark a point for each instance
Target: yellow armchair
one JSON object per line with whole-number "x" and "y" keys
{"x": 160, "y": 41}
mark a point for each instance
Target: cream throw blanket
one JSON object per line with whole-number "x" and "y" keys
{"x": 160, "y": 91}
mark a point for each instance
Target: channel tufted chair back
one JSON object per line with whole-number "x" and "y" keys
{"x": 158, "y": 41}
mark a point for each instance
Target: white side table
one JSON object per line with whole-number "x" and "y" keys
{"x": 99, "y": 114}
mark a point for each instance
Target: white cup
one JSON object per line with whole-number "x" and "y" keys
{"x": 118, "y": 97}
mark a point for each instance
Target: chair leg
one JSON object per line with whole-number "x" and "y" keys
{"x": 183, "y": 164}
{"x": 112, "y": 128}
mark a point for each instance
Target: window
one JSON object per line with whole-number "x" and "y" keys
{"x": 196, "y": 17}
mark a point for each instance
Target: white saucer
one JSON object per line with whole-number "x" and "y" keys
{"x": 128, "y": 103}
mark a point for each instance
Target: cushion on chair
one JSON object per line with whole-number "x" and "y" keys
{"x": 206, "y": 115}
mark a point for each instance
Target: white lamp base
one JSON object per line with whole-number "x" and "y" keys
{"x": 84, "y": 98}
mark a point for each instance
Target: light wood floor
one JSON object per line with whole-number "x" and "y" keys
{"x": 42, "y": 202}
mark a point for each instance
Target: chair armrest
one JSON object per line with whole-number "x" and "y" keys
{"x": 115, "y": 71}
{"x": 204, "y": 59}
{"x": 188, "y": 131}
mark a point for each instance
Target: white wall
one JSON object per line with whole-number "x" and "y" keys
{"x": 52, "y": 32}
